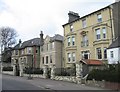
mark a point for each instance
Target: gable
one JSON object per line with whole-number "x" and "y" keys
{"x": 47, "y": 39}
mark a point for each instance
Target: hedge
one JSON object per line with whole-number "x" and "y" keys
{"x": 7, "y": 68}
{"x": 111, "y": 74}
{"x": 33, "y": 71}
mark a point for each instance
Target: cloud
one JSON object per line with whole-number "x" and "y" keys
{"x": 29, "y": 17}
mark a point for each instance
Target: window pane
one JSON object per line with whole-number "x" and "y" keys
{"x": 73, "y": 56}
{"x": 71, "y": 28}
{"x": 73, "y": 40}
{"x": 46, "y": 59}
{"x": 105, "y": 53}
{"x": 84, "y": 23}
{"x": 69, "y": 57}
{"x": 50, "y": 58}
{"x": 99, "y": 18}
{"x": 97, "y": 34}
{"x": 29, "y": 50}
{"x": 104, "y": 32}
{"x": 69, "y": 41}
{"x": 111, "y": 54}
{"x": 99, "y": 53}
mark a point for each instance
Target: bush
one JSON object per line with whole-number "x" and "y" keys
{"x": 7, "y": 68}
{"x": 33, "y": 71}
{"x": 112, "y": 74}
{"x": 65, "y": 72}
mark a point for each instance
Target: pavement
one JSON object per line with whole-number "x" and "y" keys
{"x": 23, "y": 83}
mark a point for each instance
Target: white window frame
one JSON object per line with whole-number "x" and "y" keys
{"x": 98, "y": 34}
{"x": 99, "y": 17}
{"x": 104, "y": 32}
{"x": 68, "y": 41}
{"x": 71, "y": 28}
{"x": 111, "y": 54}
{"x": 73, "y": 56}
{"x": 73, "y": 40}
{"x": 29, "y": 50}
{"x": 46, "y": 59}
{"x": 51, "y": 59}
{"x": 99, "y": 51}
{"x": 105, "y": 48}
{"x": 69, "y": 57}
{"x": 22, "y": 51}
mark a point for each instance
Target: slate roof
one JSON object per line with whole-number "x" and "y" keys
{"x": 29, "y": 43}
{"x": 17, "y": 46}
{"x": 109, "y": 6}
{"x": 115, "y": 43}
{"x": 32, "y": 42}
{"x": 57, "y": 37}
{"x": 92, "y": 62}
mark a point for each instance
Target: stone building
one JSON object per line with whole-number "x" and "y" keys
{"x": 26, "y": 54}
{"x": 51, "y": 51}
{"x": 88, "y": 37}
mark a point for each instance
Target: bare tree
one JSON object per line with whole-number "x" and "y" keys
{"x": 8, "y": 37}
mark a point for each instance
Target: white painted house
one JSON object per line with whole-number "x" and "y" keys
{"x": 113, "y": 52}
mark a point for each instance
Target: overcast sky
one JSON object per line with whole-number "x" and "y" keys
{"x": 29, "y": 17}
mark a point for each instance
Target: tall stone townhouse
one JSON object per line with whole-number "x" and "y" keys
{"x": 51, "y": 52}
{"x": 87, "y": 38}
{"x": 26, "y": 54}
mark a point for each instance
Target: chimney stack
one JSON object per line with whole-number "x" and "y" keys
{"x": 73, "y": 16}
{"x": 20, "y": 41}
{"x": 41, "y": 38}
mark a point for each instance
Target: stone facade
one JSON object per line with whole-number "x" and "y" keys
{"x": 26, "y": 54}
{"x": 102, "y": 24}
{"x": 51, "y": 51}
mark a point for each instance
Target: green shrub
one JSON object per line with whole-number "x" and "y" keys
{"x": 111, "y": 74}
{"x": 7, "y": 69}
{"x": 33, "y": 71}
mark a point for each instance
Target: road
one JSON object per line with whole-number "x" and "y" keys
{"x": 22, "y": 83}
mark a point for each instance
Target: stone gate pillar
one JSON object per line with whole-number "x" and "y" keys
{"x": 53, "y": 72}
{"x": 45, "y": 71}
{"x": 21, "y": 64}
{"x": 14, "y": 69}
{"x": 78, "y": 72}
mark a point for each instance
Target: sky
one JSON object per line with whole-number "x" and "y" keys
{"x": 29, "y": 17}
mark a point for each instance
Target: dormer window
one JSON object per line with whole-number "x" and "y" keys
{"x": 84, "y": 23}
{"x": 71, "y": 27}
{"x": 99, "y": 17}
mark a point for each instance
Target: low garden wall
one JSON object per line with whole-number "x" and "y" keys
{"x": 95, "y": 83}
{"x": 65, "y": 78}
{"x": 34, "y": 75}
{"x": 8, "y": 72}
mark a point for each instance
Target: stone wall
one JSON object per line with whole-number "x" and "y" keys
{"x": 66, "y": 78}
{"x": 8, "y": 72}
{"x": 95, "y": 83}
{"x": 34, "y": 75}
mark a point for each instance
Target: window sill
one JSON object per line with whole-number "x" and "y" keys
{"x": 71, "y": 62}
